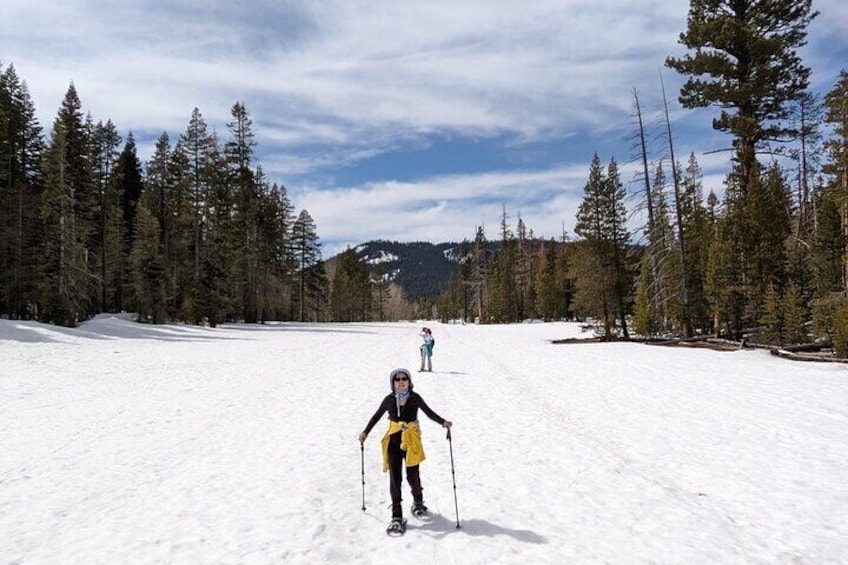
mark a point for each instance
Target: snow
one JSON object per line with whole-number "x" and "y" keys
{"x": 127, "y": 443}
{"x": 382, "y": 257}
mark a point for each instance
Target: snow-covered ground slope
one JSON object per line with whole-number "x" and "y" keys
{"x": 124, "y": 443}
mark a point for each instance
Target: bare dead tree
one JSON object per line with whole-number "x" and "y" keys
{"x": 675, "y": 175}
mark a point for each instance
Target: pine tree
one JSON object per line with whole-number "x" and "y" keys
{"x": 127, "y": 185}
{"x": 317, "y": 292}
{"x": 239, "y": 153}
{"x": 591, "y": 293}
{"x": 840, "y": 330}
{"x": 275, "y": 255}
{"x": 350, "y": 299}
{"x": 218, "y": 277}
{"x": 180, "y": 288}
{"x": 449, "y": 303}
{"x": 795, "y": 314}
{"x": 724, "y": 284}
{"x": 836, "y": 165}
{"x": 829, "y": 242}
{"x": 524, "y": 271}
{"x": 105, "y": 141}
{"x": 646, "y": 317}
{"x": 157, "y": 196}
{"x": 620, "y": 239}
{"x": 772, "y": 316}
{"x": 590, "y": 269}
{"x": 198, "y": 145}
{"x": 148, "y": 263}
{"x": 768, "y": 218}
{"x": 565, "y": 284}
{"x": 744, "y": 60}
{"x": 481, "y": 274}
{"x": 21, "y": 147}
{"x": 502, "y": 289}
{"x": 466, "y": 280}
{"x": 545, "y": 282}
{"x": 456, "y": 300}
{"x": 602, "y": 262}
{"x": 67, "y": 209}
{"x": 307, "y": 254}
{"x": 502, "y": 292}
{"x": 381, "y": 282}
{"x": 695, "y": 222}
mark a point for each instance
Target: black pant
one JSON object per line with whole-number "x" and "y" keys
{"x": 396, "y": 457}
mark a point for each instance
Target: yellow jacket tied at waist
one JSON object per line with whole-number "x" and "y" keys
{"x": 410, "y": 441}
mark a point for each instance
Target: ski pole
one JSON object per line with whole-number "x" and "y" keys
{"x": 453, "y": 474}
{"x": 362, "y": 459}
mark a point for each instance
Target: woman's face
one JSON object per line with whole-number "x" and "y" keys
{"x": 401, "y": 381}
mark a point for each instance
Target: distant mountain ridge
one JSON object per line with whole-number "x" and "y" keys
{"x": 420, "y": 268}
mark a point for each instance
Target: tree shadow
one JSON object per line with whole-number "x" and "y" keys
{"x": 23, "y": 332}
{"x": 106, "y": 326}
{"x": 305, "y": 327}
{"x": 103, "y": 327}
{"x": 441, "y": 526}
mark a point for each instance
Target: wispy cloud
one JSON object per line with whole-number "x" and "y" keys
{"x": 473, "y": 67}
{"x": 334, "y": 84}
{"x": 450, "y": 206}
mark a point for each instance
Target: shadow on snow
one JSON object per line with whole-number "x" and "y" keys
{"x": 442, "y": 526}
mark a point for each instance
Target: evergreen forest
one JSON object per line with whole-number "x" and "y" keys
{"x": 197, "y": 234}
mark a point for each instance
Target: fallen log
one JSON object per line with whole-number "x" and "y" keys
{"x": 791, "y": 355}
{"x": 599, "y": 339}
{"x": 803, "y": 347}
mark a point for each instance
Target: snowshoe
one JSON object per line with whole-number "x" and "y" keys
{"x": 419, "y": 510}
{"x": 397, "y": 527}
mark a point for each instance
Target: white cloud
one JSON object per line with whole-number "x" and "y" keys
{"x": 330, "y": 83}
{"x": 446, "y": 208}
{"x": 472, "y": 66}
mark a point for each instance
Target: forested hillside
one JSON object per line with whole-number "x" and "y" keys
{"x": 420, "y": 268}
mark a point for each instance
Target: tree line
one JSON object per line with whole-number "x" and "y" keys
{"x": 769, "y": 259}
{"x": 198, "y": 234}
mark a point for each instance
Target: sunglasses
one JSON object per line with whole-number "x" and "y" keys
{"x": 401, "y": 379}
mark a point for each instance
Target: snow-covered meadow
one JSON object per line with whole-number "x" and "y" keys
{"x": 126, "y": 443}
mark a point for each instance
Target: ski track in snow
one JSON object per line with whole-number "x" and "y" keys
{"x": 125, "y": 443}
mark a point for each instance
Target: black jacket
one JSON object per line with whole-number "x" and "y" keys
{"x": 408, "y": 412}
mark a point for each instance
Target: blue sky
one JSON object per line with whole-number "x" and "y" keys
{"x": 395, "y": 120}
